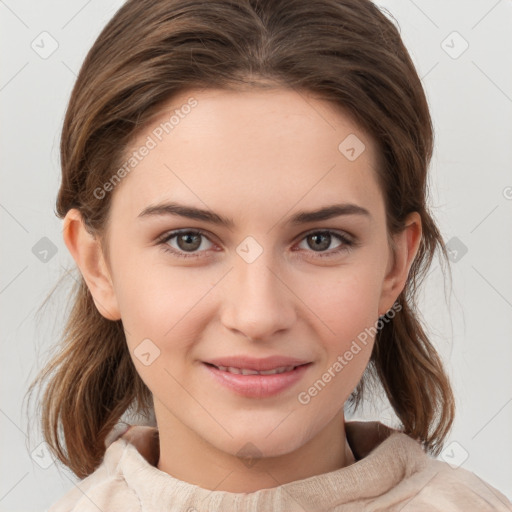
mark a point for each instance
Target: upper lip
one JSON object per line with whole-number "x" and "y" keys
{"x": 258, "y": 364}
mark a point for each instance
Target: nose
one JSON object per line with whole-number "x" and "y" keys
{"x": 258, "y": 303}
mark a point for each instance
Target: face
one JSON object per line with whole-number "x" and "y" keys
{"x": 256, "y": 277}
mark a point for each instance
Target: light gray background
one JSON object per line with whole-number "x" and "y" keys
{"x": 471, "y": 101}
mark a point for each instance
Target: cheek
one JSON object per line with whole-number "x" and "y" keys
{"x": 171, "y": 306}
{"x": 164, "y": 313}
{"x": 344, "y": 299}
{"x": 347, "y": 309}
{"x": 345, "y": 302}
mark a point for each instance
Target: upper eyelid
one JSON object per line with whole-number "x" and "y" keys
{"x": 168, "y": 235}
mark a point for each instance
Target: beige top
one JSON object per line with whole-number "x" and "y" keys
{"x": 396, "y": 475}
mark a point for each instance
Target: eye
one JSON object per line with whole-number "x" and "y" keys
{"x": 185, "y": 241}
{"x": 190, "y": 243}
{"x": 319, "y": 241}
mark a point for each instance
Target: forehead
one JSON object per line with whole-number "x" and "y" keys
{"x": 240, "y": 149}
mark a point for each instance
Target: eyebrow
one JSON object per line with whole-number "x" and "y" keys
{"x": 303, "y": 217}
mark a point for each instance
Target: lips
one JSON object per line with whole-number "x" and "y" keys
{"x": 257, "y": 378}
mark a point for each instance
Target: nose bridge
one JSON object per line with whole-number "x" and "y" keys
{"x": 257, "y": 303}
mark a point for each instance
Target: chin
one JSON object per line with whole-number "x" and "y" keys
{"x": 260, "y": 439}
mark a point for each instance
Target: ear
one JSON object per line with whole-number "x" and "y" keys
{"x": 87, "y": 253}
{"x": 406, "y": 244}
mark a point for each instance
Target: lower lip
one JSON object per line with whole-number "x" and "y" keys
{"x": 258, "y": 386}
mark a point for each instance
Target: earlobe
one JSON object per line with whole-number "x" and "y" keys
{"x": 87, "y": 253}
{"x": 406, "y": 243}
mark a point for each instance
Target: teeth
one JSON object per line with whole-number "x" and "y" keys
{"x": 246, "y": 371}
{"x": 277, "y": 370}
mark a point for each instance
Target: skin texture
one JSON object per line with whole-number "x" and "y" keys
{"x": 257, "y": 157}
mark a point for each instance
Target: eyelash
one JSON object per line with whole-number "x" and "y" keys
{"x": 346, "y": 246}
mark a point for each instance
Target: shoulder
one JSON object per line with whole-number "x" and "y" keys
{"x": 459, "y": 489}
{"x": 435, "y": 486}
{"x": 104, "y": 489}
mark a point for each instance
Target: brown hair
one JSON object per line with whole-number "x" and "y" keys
{"x": 345, "y": 51}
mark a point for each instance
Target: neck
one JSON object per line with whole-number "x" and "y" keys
{"x": 188, "y": 457}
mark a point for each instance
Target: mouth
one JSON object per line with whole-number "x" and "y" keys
{"x": 249, "y": 371}
{"x": 256, "y": 383}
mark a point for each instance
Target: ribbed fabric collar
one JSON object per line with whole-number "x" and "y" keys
{"x": 383, "y": 468}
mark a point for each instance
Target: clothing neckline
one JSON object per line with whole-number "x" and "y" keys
{"x": 383, "y": 468}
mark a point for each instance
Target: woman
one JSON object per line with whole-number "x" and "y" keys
{"x": 244, "y": 193}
